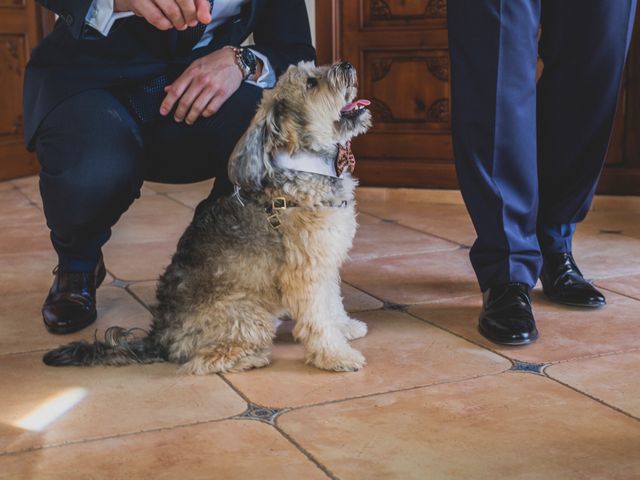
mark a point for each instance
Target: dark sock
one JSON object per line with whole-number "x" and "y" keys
{"x": 80, "y": 255}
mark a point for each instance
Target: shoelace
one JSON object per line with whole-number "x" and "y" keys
{"x": 570, "y": 272}
{"x": 520, "y": 296}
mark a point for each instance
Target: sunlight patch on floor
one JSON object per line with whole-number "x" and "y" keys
{"x": 52, "y": 409}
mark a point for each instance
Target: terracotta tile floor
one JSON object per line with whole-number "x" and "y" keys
{"x": 436, "y": 400}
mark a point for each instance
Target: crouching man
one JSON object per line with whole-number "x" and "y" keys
{"x": 124, "y": 91}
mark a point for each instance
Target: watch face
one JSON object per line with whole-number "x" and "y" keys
{"x": 249, "y": 59}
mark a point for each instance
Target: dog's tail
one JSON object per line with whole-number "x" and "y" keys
{"x": 120, "y": 347}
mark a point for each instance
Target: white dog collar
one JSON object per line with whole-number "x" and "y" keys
{"x": 305, "y": 162}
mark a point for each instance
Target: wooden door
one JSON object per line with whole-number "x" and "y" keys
{"x": 621, "y": 174}
{"x": 400, "y": 49}
{"x": 20, "y": 30}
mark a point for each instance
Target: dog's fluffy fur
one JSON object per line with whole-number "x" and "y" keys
{"x": 233, "y": 273}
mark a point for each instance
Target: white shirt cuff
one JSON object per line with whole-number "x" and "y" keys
{"x": 102, "y": 17}
{"x": 268, "y": 77}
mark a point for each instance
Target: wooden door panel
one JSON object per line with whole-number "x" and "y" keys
{"x": 12, "y": 59}
{"x": 391, "y": 13}
{"x": 400, "y": 49}
{"x": 18, "y": 35}
{"x": 422, "y": 103}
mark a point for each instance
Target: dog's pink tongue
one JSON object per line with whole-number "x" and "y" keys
{"x": 353, "y": 105}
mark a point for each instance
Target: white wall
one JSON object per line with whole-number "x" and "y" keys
{"x": 311, "y": 8}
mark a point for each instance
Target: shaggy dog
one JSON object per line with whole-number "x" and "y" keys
{"x": 273, "y": 248}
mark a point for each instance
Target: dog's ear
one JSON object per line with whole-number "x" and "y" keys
{"x": 284, "y": 124}
{"x": 248, "y": 164}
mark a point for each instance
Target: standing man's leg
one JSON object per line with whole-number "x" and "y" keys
{"x": 90, "y": 150}
{"x": 493, "y": 48}
{"x": 583, "y": 46}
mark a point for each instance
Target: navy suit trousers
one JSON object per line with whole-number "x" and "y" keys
{"x": 529, "y": 155}
{"x": 95, "y": 156}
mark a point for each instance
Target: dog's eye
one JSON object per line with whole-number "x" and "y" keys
{"x": 312, "y": 82}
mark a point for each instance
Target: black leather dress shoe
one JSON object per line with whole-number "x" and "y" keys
{"x": 71, "y": 303}
{"x": 506, "y": 315}
{"x": 563, "y": 282}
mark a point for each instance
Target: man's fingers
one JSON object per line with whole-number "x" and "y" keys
{"x": 174, "y": 92}
{"x": 153, "y": 15}
{"x": 203, "y": 11}
{"x": 188, "y": 8}
{"x": 186, "y": 100}
{"x": 199, "y": 105}
{"x": 214, "y": 105}
{"x": 173, "y": 12}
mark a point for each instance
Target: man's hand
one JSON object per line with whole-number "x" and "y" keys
{"x": 203, "y": 87}
{"x": 166, "y": 14}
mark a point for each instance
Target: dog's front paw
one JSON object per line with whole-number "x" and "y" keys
{"x": 352, "y": 328}
{"x": 345, "y": 359}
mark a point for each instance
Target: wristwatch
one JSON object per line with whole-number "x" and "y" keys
{"x": 246, "y": 61}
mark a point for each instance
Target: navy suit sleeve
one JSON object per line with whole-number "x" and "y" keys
{"x": 72, "y": 13}
{"x": 282, "y": 34}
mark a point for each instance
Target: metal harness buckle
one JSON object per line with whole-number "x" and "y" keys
{"x": 278, "y": 205}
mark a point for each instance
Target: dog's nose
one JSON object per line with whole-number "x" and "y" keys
{"x": 346, "y": 66}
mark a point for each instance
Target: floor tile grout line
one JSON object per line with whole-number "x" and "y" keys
{"x": 418, "y": 387}
{"x": 238, "y": 392}
{"x": 168, "y": 196}
{"x": 622, "y": 234}
{"x": 137, "y": 299}
{"x": 464, "y": 246}
{"x": 592, "y": 356}
{"x": 388, "y": 392}
{"x": 25, "y": 352}
{"x": 127, "y": 284}
{"x": 368, "y": 258}
{"x": 409, "y": 305}
{"x": 613, "y": 275}
{"x": 455, "y": 242}
{"x": 31, "y": 202}
{"x": 361, "y": 290}
{"x": 616, "y": 292}
{"x": 591, "y": 397}
{"x": 135, "y": 282}
{"x": 304, "y": 451}
{"x": 242, "y": 395}
{"x": 118, "y": 435}
{"x": 147, "y": 307}
{"x": 473, "y": 342}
